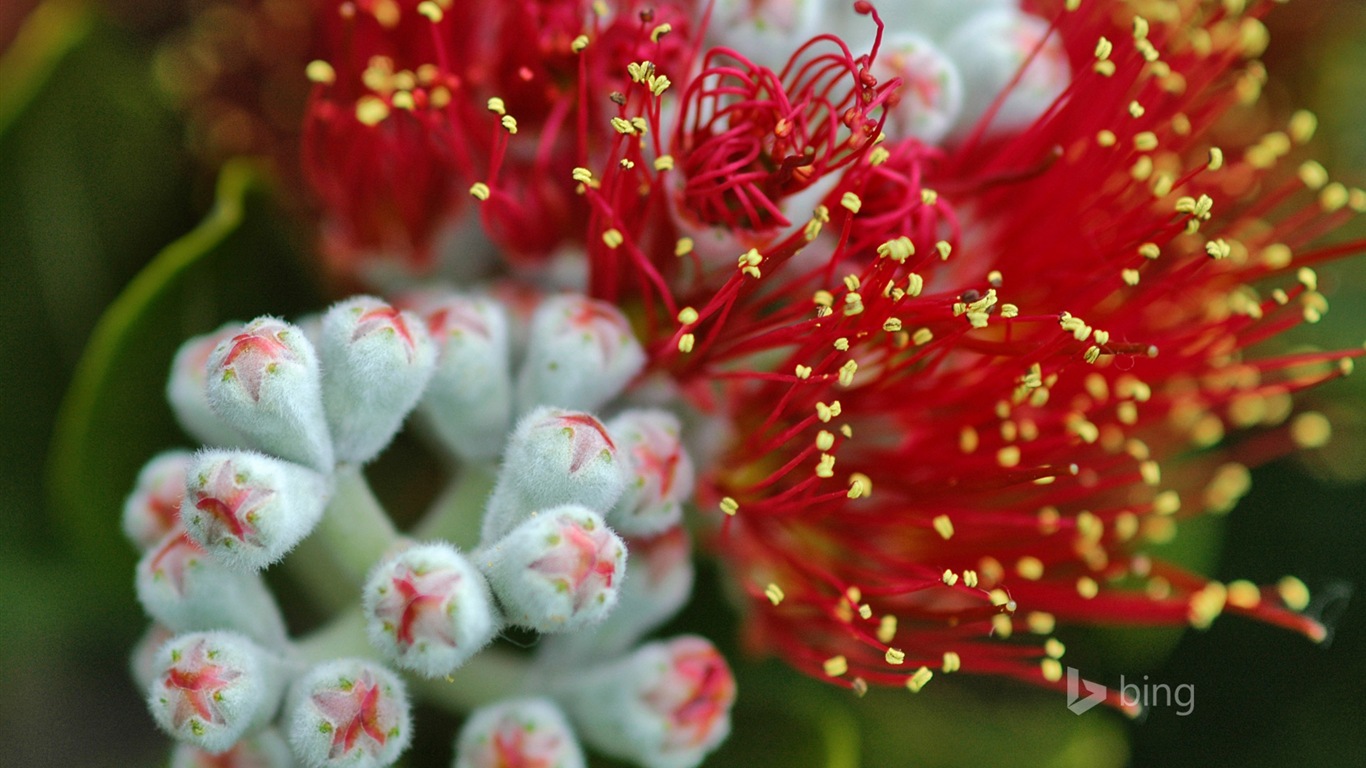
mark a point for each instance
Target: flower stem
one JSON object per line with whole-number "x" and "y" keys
{"x": 355, "y": 529}
{"x": 457, "y": 514}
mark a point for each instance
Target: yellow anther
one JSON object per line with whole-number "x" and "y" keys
{"x": 686, "y": 343}
{"x": 404, "y": 100}
{"x": 1244, "y": 594}
{"x": 970, "y": 578}
{"x": 1106, "y": 138}
{"x": 1206, "y": 605}
{"x": 1136, "y": 110}
{"x": 898, "y": 249}
{"x": 918, "y": 680}
{"x": 886, "y": 629}
{"x": 1051, "y": 669}
{"x": 1149, "y": 251}
{"x": 1087, "y": 587}
{"x": 878, "y": 156}
{"x": 949, "y": 577}
{"x": 613, "y": 238}
{"x": 836, "y": 666}
{"x": 509, "y": 124}
{"x": 860, "y": 486}
{"x": 1293, "y": 593}
{"x": 1313, "y": 175}
{"x": 944, "y": 249}
{"x": 371, "y": 110}
{"x": 1145, "y": 141}
{"x": 895, "y": 657}
{"x": 579, "y": 43}
{"x": 851, "y": 202}
{"x": 1140, "y": 28}
{"x": 865, "y": 611}
{"x": 774, "y": 593}
{"x": 729, "y": 506}
{"x": 847, "y": 372}
{"x": 841, "y": 344}
{"x": 1129, "y": 276}
{"x": 319, "y": 71}
{"x": 802, "y": 371}
{"x": 1054, "y": 648}
{"x": 827, "y": 412}
{"x": 1303, "y": 125}
{"x": 431, "y": 10}
{"x": 1009, "y": 456}
{"x": 1104, "y": 68}
{"x": 952, "y": 663}
{"x": 892, "y": 325}
{"x": 623, "y": 126}
{"x": 943, "y": 526}
{"x": 496, "y": 106}
{"x": 825, "y": 468}
{"x": 929, "y": 197}
{"x": 479, "y": 191}
{"x": 1311, "y": 430}
{"x": 660, "y": 31}
{"x": 1218, "y": 249}
{"x": 1103, "y": 48}
{"x": 664, "y": 163}
{"x": 1040, "y": 623}
{"x": 683, "y": 247}
{"x": 1216, "y": 159}
{"x": 922, "y": 336}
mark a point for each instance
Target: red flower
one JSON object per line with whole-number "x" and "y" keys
{"x": 1011, "y": 366}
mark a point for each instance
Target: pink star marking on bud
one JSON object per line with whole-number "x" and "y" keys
{"x": 380, "y": 319}
{"x": 585, "y": 443}
{"x": 232, "y": 507}
{"x": 172, "y": 559}
{"x": 512, "y": 750}
{"x": 580, "y": 562}
{"x": 352, "y": 709}
{"x": 253, "y": 355}
{"x": 420, "y": 600}
{"x": 456, "y": 318}
{"x": 602, "y": 323}
{"x": 659, "y": 464}
{"x": 696, "y": 694}
{"x": 196, "y": 682}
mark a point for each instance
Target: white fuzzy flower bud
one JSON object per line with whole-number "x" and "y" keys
{"x": 989, "y": 49}
{"x": 212, "y": 687}
{"x": 142, "y": 661}
{"x": 766, "y": 33}
{"x": 657, "y": 583}
{"x": 580, "y": 354}
{"x": 934, "y": 19}
{"x": 376, "y": 361}
{"x": 667, "y": 705}
{"x": 265, "y": 382}
{"x": 557, "y": 572}
{"x": 187, "y": 391}
{"x": 930, "y": 97}
{"x": 247, "y": 509}
{"x": 469, "y": 399}
{"x": 528, "y": 732}
{"x": 153, "y": 508}
{"x": 264, "y": 749}
{"x": 659, "y": 474}
{"x": 428, "y": 609}
{"x": 554, "y": 457}
{"x": 186, "y": 589}
{"x": 348, "y": 712}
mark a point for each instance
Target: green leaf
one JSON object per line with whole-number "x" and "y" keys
{"x": 237, "y": 263}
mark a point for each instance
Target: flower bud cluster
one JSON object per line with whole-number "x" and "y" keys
{"x": 293, "y": 411}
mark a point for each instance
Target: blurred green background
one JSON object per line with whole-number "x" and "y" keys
{"x": 97, "y": 181}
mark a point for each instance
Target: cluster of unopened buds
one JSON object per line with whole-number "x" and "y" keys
{"x": 291, "y": 413}
{"x": 987, "y": 257}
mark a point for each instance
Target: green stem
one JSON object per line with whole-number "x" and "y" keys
{"x": 355, "y": 529}
{"x": 492, "y": 675}
{"x": 458, "y": 512}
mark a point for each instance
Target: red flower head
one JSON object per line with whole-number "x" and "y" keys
{"x": 1018, "y": 362}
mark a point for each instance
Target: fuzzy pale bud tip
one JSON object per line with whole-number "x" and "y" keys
{"x": 376, "y": 361}
{"x": 559, "y": 571}
{"x": 266, "y": 383}
{"x": 247, "y": 509}
{"x": 186, "y": 390}
{"x": 666, "y": 706}
{"x": 428, "y": 609}
{"x": 523, "y": 732}
{"x": 554, "y": 457}
{"x": 581, "y": 353}
{"x": 348, "y": 712}
{"x": 264, "y": 749}
{"x": 659, "y": 472}
{"x": 153, "y": 508}
{"x": 211, "y": 687}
